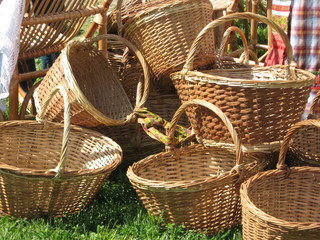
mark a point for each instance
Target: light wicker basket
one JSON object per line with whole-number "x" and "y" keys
{"x": 261, "y": 102}
{"x": 196, "y": 186}
{"x": 283, "y": 203}
{"x": 96, "y": 94}
{"x": 304, "y": 149}
{"x": 51, "y": 169}
{"x": 164, "y": 31}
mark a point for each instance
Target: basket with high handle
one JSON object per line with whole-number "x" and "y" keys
{"x": 304, "y": 149}
{"x": 283, "y": 203}
{"x": 95, "y": 92}
{"x": 195, "y": 185}
{"x": 52, "y": 169}
{"x": 261, "y": 102}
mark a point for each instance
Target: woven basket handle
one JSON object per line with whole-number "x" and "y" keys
{"x": 314, "y": 105}
{"x": 219, "y": 113}
{"x": 142, "y": 95}
{"x": 246, "y": 51}
{"x": 66, "y": 125}
{"x": 287, "y": 138}
{"x": 247, "y": 15}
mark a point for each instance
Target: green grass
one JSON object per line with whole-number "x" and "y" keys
{"x": 115, "y": 213}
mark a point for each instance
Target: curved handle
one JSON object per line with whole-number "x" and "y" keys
{"x": 225, "y": 39}
{"x": 287, "y": 138}
{"x": 66, "y": 125}
{"x": 219, "y": 113}
{"x": 194, "y": 47}
{"x": 141, "y": 97}
{"x": 314, "y": 103}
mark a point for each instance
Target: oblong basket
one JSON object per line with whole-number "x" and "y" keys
{"x": 51, "y": 169}
{"x": 261, "y": 102}
{"x": 196, "y": 186}
{"x": 164, "y": 31}
{"x": 283, "y": 203}
{"x": 95, "y": 92}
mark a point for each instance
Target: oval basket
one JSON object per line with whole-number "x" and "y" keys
{"x": 196, "y": 186}
{"x": 283, "y": 203}
{"x": 95, "y": 92}
{"x": 164, "y": 31}
{"x": 261, "y": 102}
{"x": 50, "y": 168}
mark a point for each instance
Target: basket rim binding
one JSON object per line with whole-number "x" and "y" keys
{"x": 190, "y": 75}
{"x": 59, "y": 172}
{"x": 281, "y": 169}
{"x": 192, "y": 185}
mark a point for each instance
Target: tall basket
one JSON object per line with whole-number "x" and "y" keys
{"x": 196, "y": 186}
{"x": 283, "y": 203}
{"x": 261, "y": 102}
{"x": 51, "y": 168}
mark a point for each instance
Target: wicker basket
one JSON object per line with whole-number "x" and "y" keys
{"x": 52, "y": 169}
{"x": 196, "y": 186}
{"x": 261, "y": 102}
{"x": 304, "y": 150}
{"x": 164, "y": 31}
{"x": 283, "y": 203}
{"x": 96, "y": 94}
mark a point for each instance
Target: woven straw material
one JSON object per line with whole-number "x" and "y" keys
{"x": 164, "y": 32}
{"x": 261, "y": 102}
{"x": 283, "y": 203}
{"x": 96, "y": 94}
{"x": 196, "y": 186}
{"x": 304, "y": 149}
{"x": 52, "y": 169}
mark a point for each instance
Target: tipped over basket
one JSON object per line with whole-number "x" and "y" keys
{"x": 283, "y": 203}
{"x": 95, "y": 92}
{"x": 51, "y": 169}
{"x": 196, "y": 186}
{"x": 261, "y": 102}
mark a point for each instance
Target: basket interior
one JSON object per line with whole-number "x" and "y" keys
{"x": 293, "y": 198}
{"x": 34, "y": 147}
{"x": 99, "y": 82}
{"x": 195, "y": 162}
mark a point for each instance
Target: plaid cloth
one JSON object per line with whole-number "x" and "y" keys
{"x": 280, "y": 16}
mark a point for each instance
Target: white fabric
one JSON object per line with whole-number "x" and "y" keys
{"x": 11, "y": 12}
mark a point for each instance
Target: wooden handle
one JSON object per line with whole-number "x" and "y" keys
{"x": 66, "y": 124}
{"x": 219, "y": 113}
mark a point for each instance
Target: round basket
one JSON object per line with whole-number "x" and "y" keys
{"x": 261, "y": 102}
{"x": 282, "y": 203}
{"x": 196, "y": 186}
{"x": 95, "y": 91}
{"x": 164, "y": 32}
{"x": 50, "y": 169}
{"x": 304, "y": 149}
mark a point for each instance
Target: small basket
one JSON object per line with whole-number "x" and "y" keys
{"x": 261, "y": 102}
{"x": 41, "y": 176}
{"x": 304, "y": 149}
{"x": 283, "y": 203}
{"x": 196, "y": 186}
{"x": 164, "y": 31}
{"x": 96, "y": 95}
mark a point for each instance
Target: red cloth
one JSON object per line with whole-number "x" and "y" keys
{"x": 276, "y": 54}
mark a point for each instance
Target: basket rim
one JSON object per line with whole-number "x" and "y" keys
{"x": 194, "y": 185}
{"x": 204, "y": 77}
{"x": 267, "y": 217}
{"x": 51, "y": 173}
